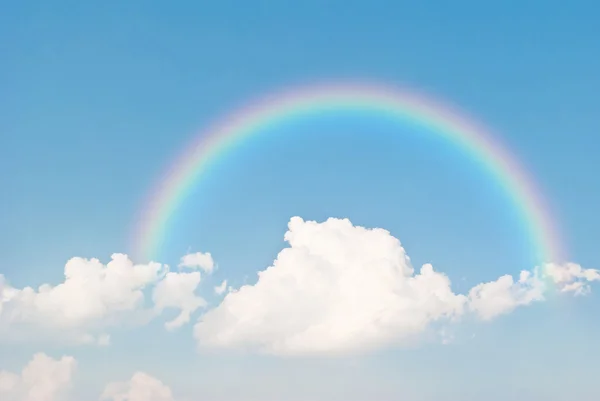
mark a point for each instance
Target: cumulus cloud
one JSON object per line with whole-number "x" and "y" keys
{"x": 198, "y": 260}
{"x": 503, "y": 295}
{"x": 489, "y": 300}
{"x": 141, "y": 387}
{"x": 43, "y": 379}
{"x": 221, "y": 288}
{"x": 571, "y": 277}
{"x": 48, "y": 379}
{"x": 178, "y": 290}
{"x": 340, "y": 288}
{"x": 93, "y": 298}
{"x": 337, "y": 288}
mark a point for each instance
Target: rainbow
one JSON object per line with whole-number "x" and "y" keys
{"x": 215, "y": 142}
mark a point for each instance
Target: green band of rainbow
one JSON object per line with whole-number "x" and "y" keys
{"x": 437, "y": 118}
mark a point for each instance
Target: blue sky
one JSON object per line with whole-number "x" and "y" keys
{"x": 98, "y": 100}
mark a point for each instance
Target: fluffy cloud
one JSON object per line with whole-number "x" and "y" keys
{"x": 495, "y": 298}
{"x": 489, "y": 300}
{"x": 571, "y": 277}
{"x": 141, "y": 387}
{"x": 337, "y": 288}
{"x": 94, "y": 297}
{"x": 198, "y": 260}
{"x": 91, "y": 297}
{"x": 178, "y": 290}
{"x": 341, "y": 288}
{"x": 48, "y": 379}
{"x": 43, "y": 379}
{"x": 221, "y": 288}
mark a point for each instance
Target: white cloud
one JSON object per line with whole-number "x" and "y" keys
{"x": 221, "y": 288}
{"x": 177, "y": 290}
{"x": 48, "y": 379}
{"x": 571, "y": 277}
{"x": 337, "y": 288}
{"x": 141, "y": 387}
{"x": 93, "y": 298}
{"x": 503, "y": 295}
{"x": 198, "y": 260}
{"x": 340, "y": 288}
{"x": 43, "y": 379}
